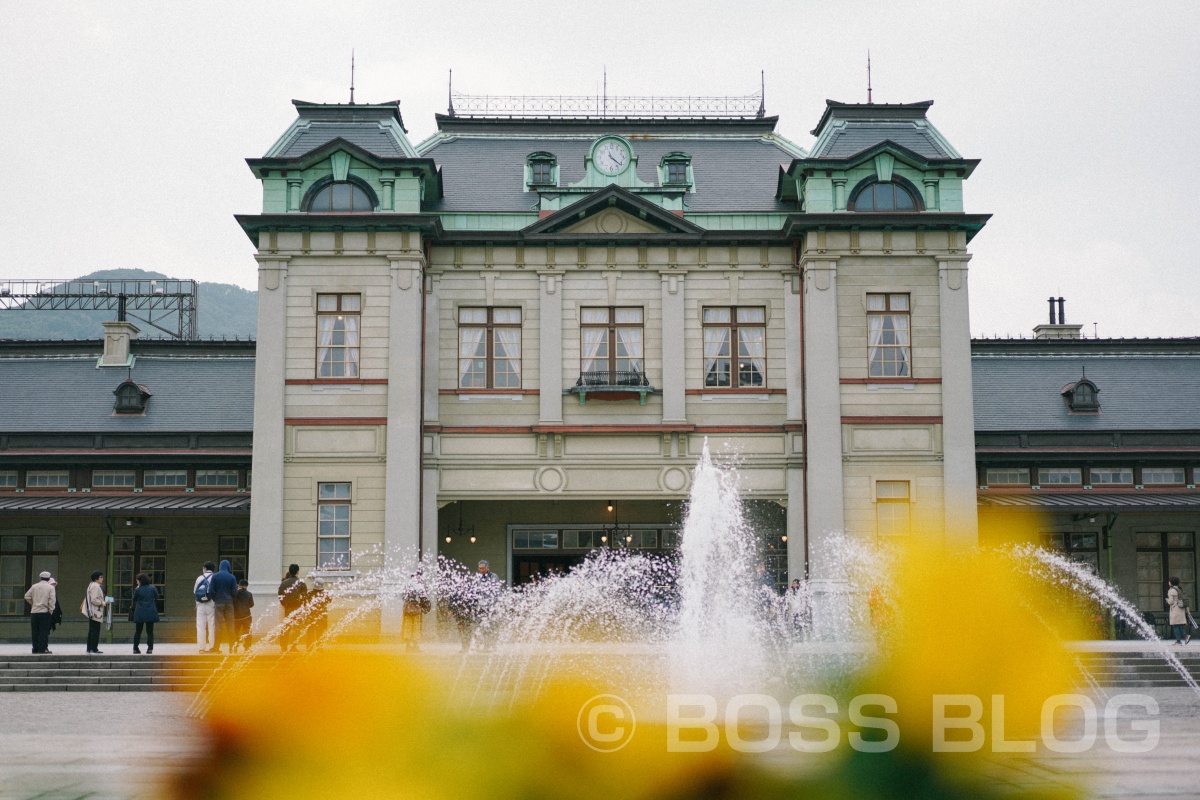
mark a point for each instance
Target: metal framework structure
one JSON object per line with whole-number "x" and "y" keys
{"x": 157, "y": 300}
{"x": 602, "y": 106}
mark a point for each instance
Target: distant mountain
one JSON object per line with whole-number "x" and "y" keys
{"x": 223, "y": 310}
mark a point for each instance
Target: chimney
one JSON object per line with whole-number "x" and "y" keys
{"x": 117, "y": 336}
{"x": 1059, "y": 329}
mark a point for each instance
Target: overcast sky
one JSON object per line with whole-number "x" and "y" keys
{"x": 125, "y": 125}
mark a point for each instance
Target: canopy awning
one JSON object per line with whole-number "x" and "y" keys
{"x": 201, "y": 505}
{"x": 1085, "y": 502}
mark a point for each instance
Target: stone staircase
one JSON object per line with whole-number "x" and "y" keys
{"x": 105, "y": 673}
{"x": 1137, "y": 670}
{"x": 188, "y": 673}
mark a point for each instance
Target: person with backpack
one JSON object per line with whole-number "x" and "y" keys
{"x": 222, "y": 587}
{"x": 1178, "y": 606}
{"x": 145, "y": 613}
{"x": 206, "y": 614}
{"x": 243, "y": 601}
{"x": 292, "y": 594}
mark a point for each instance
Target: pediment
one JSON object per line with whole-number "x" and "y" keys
{"x": 614, "y": 211}
{"x": 612, "y": 220}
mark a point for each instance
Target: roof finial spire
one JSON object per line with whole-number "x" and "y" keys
{"x": 869, "y": 100}
{"x": 762, "y": 94}
{"x": 352, "y": 76}
{"x": 450, "y": 94}
{"x": 604, "y": 108}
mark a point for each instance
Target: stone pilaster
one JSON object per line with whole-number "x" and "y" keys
{"x": 958, "y": 412}
{"x": 550, "y": 334}
{"x": 674, "y": 360}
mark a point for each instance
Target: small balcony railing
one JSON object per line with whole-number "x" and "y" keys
{"x": 616, "y": 384}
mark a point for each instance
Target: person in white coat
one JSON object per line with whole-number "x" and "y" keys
{"x": 1177, "y": 606}
{"x": 206, "y": 610}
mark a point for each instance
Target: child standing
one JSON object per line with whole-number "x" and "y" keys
{"x": 243, "y": 601}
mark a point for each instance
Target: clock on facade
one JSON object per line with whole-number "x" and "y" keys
{"x": 611, "y": 156}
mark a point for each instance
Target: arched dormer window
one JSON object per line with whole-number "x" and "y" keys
{"x": 1082, "y": 396}
{"x": 541, "y": 169}
{"x": 340, "y": 197}
{"x": 131, "y": 398}
{"x": 876, "y": 195}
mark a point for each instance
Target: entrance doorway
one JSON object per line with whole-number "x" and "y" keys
{"x": 543, "y": 550}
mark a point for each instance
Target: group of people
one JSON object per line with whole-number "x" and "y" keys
{"x": 304, "y": 610}
{"x": 223, "y": 606}
{"x": 46, "y": 612}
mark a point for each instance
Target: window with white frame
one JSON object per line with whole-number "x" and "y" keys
{"x": 889, "y": 339}
{"x": 892, "y": 500}
{"x": 735, "y": 347}
{"x": 21, "y": 558}
{"x": 333, "y": 525}
{"x": 112, "y": 478}
{"x": 48, "y": 478}
{"x": 8, "y": 479}
{"x": 212, "y": 478}
{"x": 489, "y": 348}
{"x": 338, "y": 319}
{"x": 160, "y": 478}
{"x": 1060, "y": 476}
{"x": 1110, "y": 476}
{"x": 1162, "y": 476}
{"x": 1008, "y": 476}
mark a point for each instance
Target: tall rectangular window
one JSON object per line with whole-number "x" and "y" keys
{"x": 489, "y": 348}
{"x": 132, "y": 555}
{"x": 1161, "y": 556}
{"x": 892, "y": 507}
{"x": 235, "y": 550}
{"x": 889, "y": 340}
{"x": 48, "y": 478}
{"x": 333, "y": 526}
{"x": 610, "y": 347}
{"x": 736, "y": 327}
{"x": 21, "y": 558}
{"x": 109, "y": 478}
{"x": 338, "y": 335}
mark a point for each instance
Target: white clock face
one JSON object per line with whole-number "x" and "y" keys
{"x": 611, "y": 157}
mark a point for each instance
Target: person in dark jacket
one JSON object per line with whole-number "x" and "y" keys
{"x": 243, "y": 601}
{"x": 222, "y": 588}
{"x": 56, "y": 615}
{"x": 145, "y": 612}
{"x": 316, "y": 614}
{"x": 292, "y": 594}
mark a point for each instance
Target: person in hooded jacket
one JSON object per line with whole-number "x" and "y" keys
{"x": 223, "y": 587}
{"x": 145, "y": 612}
{"x": 292, "y": 594}
{"x": 243, "y": 601}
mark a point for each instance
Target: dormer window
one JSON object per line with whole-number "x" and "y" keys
{"x": 131, "y": 398}
{"x": 542, "y": 169}
{"x": 1082, "y": 396}
{"x": 884, "y": 196}
{"x": 676, "y": 169}
{"x": 340, "y": 197}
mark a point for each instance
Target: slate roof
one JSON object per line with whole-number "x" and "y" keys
{"x": 486, "y": 173}
{"x": 374, "y": 138}
{"x": 855, "y": 137}
{"x": 1146, "y": 388}
{"x": 69, "y": 394}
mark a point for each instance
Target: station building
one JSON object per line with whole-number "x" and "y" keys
{"x": 1092, "y": 447}
{"x": 125, "y": 456}
{"x": 511, "y": 341}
